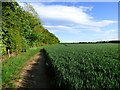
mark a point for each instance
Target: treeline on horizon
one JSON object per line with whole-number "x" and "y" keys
{"x": 22, "y": 29}
{"x": 112, "y": 41}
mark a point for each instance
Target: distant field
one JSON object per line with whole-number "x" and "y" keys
{"x": 84, "y": 66}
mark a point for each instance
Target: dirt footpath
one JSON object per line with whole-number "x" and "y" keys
{"x": 34, "y": 74}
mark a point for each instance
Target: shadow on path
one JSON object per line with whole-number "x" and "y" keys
{"x": 36, "y": 76}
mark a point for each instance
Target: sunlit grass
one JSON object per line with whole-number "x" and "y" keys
{"x": 11, "y": 67}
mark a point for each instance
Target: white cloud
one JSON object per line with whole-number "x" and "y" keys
{"x": 70, "y": 13}
{"x": 86, "y": 8}
{"x": 104, "y": 23}
{"x": 72, "y": 19}
{"x": 60, "y": 28}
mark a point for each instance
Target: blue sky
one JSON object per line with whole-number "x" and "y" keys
{"x": 79, "y": 21}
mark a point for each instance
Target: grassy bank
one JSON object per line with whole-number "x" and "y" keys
{"x": 12, "y": 66}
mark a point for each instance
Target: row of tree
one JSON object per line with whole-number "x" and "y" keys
{"x": 22, "y": 28}
{"x": 112, "y": 41}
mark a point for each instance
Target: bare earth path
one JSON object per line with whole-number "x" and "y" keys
{"x": 34, "y": 75}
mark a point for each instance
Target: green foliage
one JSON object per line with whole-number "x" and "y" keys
{"x": 22, "y": 28}
{"x": 85, "y": 66}
{"x": 3, "y": 48}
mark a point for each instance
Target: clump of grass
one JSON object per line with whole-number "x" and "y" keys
{"x": 12, "y": 66}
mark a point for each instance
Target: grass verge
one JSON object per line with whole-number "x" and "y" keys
{"x": 12, "y": 66}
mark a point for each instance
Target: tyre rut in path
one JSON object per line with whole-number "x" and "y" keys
{"x": 34, "y": 74}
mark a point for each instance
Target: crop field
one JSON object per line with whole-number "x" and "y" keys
{"x": 85, "y": 66}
